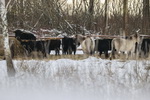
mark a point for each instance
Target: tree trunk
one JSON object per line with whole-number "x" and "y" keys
{"x": 10, "y": 67}
{"x": 106, "y": 17}
{"x": 125, "y": 18}
{"x": 21, "y": 14}
{"x": 146, "y": 17}
{"x": 90, "y": 13}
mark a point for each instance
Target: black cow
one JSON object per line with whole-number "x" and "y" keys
{"x": 145, "y": 47}
{"x": 35, "y": 46}
{"x": 22, "y": 35}
{"x": 103, "y": 46}
{"x": 54, "y": 45}
{"x": 44, "y": 46}
{"x": 68, "y": 45}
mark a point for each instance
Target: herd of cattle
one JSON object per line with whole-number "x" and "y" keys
{"x": 89, "y": 44}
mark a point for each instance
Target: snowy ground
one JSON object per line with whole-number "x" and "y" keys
{"x": 66, "y": 79}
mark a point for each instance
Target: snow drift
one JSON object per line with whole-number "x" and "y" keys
{"x": 66, "y": 79}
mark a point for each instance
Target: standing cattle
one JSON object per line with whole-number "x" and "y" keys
{"x": 53, "y": 45}
{"x": 68, "y": 45}
{"x": 87, "y": 43}
{"x": 125, "y": 45}
{"x": 103, "y": 46}
{"x": 42, "y": 46}
{"x": 145, "y": 47}
{"x": 31, "y": 46}
{"x": 22, "y": 35}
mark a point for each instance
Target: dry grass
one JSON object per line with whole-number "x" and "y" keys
{"x": 53, "y": 57}
{"x": 16, "y": 48}
{"x": 39, "y": 56}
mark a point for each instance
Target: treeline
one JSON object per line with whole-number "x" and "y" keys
{"x": 110, "y": 17}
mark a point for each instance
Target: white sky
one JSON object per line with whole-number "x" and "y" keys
{"x": 102, "y": 1}
{"x": 69, "y": 1}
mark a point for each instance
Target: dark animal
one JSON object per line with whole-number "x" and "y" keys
{"x": 31, "y": 46}
{"x": 127, "y": 45}
{"x": 103, "y": 46}
{"x": 44, "y": 46}
{"x": 68, "y": 45}
{"x": 22, "y": 35}
{"x": 145, "y": 47}
{"x": 54, "y": 45}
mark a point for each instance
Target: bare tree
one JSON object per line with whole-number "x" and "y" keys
{"x": 106, "y": 16}
{"x": 10, "y": 67}
{"x": 125, "y": 17}
{"x": 21, "y": 14}
{"x": 146, "y": 17}
{"x": 90, "y": 13}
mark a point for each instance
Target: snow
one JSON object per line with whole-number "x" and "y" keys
{"x": 51, "y": 31}
{"x": 66, "y": 79}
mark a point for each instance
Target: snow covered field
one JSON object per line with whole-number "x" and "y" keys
{"x": 66, "y": 79}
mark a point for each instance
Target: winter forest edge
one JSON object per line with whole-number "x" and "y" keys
{"x": 73, "y": 77}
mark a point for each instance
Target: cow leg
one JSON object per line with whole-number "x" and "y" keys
{"x": 70, "y": 50}
{"x": 56, "y": 51}
{"x": 92, "y": 52}
{"x": 67, "y": 52}
{"x": 119, "y": 53}
{"x": 44, "y": 54}
{"x": 12, "y": 51}
{"x": 100, "y": 53}
{"x": 106, "y": 54}
{"x": 128, "y": 54}
{"x": 74, "y": 52}
{"x": 63, "y": 52}
{"x": 146, "y": 52}
{"x": 113, "y": 54}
